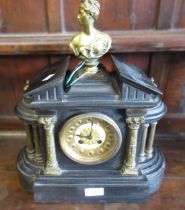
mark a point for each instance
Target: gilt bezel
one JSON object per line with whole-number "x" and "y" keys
{"x": 91, "y": 160}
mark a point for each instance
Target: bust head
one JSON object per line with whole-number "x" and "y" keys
{"x": 89, "y": 11}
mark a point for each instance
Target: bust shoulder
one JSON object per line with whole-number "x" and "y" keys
{"x": 74, "y": 43}
{"x": 103, "y": 40}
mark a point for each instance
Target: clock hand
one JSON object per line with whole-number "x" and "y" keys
{"x": 90, "y": 135}
{"x": 81, "y": 136}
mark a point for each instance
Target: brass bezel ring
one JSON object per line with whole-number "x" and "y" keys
{"x": 90, "y": 161}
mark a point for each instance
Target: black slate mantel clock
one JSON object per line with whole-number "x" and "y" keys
{"x": 90, "y": 133}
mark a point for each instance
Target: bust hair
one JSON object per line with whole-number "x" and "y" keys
{"x": 92, "y": 7}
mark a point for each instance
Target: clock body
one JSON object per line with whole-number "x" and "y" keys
{"x": 104, "y": 151}
{"x": 94, "y": 142}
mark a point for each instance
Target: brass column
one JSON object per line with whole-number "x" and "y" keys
{"x": 38, "y": 155}
{"x": 30, "y": 148}
{"x": 150, "y": 140}
{"x": 129, "y": 166}
{"x": 143, "y": 142}
{"x": 52, "y": 167}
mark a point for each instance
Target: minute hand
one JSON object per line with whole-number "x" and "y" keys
{"x": 90, "y": 135}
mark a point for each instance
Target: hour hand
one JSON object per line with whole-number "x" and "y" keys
{"x": 81, "y": 136}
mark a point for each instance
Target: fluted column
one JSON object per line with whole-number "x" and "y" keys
{"x": 150, "y": 140}
{"x": 52, "y": 167}
{"x": 129, "y": 166}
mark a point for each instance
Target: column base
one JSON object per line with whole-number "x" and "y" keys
{"x": 129, "y": 171}
{"x": 30, "y": 153}
{"x": 28, "y": 169}
{"x": 38, "y": 158}
{"x": 142, "y": 157}
{"x": 50, "y": 171}
{"x": 149, "y": 154}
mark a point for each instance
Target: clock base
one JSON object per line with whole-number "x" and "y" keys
{"x": 101, "y": 189}
{"x": 105, "y": 186}
{"x": 92, "y": 186}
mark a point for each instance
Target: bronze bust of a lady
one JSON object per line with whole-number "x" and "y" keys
{"x": 90, "y": 44}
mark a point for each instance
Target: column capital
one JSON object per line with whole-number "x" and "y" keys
{"x": 153, "y": 123}
{"x": 134, "y": 122}
{"x": 48, "y": 122}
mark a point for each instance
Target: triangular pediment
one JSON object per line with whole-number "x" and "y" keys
{"x": 134, "y": 76}
{"x": 48, "y": 77}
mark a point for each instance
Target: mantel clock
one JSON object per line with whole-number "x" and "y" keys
{"x": 90, "y": 133}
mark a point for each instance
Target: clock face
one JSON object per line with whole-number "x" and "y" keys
{"x": 90, "y": 138}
